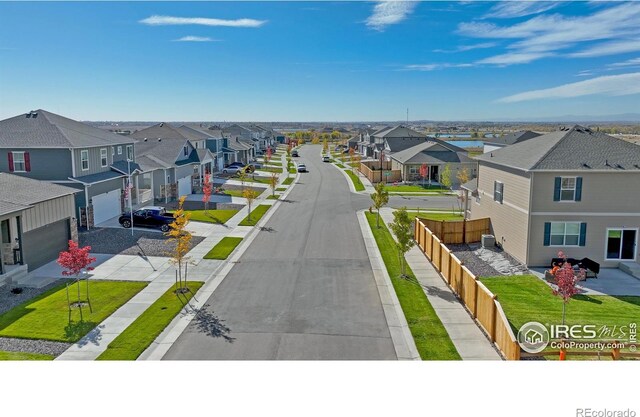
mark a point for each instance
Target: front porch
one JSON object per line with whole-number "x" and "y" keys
{"x": 11, "y": 264}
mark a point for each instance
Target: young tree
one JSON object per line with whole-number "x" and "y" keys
{"x": 74, "y": 262}
{"x": 273, "y": 183}
{"x": 325, "y": 145}
{"x": 566, "y": 280}
{"x": 463, "y": 176}
{"x": 403, "y": 230}
{"x": 335, "y": 135}
{"x": 242, "y": 175}
{"x": 251, "y": 196}
{"x": 445, "y": 176}
{"x": 180, "y": 237}
{"x": 380, "y": 199}
{"x": 207, "y": 190}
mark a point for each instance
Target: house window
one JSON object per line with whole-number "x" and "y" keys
{"x": 565, "y": 234}
{"x": 18, "y": 162}
{"x": 414, "y": 170}
{"x": 104, "y": 160}
{"x": 130, "y": 152}
{"x": 113, "y": 150}
{"x": 568, "y": 189}
{"x": 498, "y": 191}
{"x": 84, "y": 160}
{"x": 185, "y": 150}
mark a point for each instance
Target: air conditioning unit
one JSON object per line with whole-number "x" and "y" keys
{"x": 488, "y": 241}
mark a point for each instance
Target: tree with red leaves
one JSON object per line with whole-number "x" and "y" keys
{"x": 207, "y": 189}
{"x": 74, "y": 262}
{"x": 566, "y": 280}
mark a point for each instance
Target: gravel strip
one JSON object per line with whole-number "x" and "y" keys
{"x": 469, "y": 259}
{"x": 33, "y": 346}
{"x": 8, "y": 300}
{"x": 119, "y": 241}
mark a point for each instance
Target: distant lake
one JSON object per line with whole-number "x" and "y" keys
{"x": 466, "y": 143}
{"x": 451, "y": 135}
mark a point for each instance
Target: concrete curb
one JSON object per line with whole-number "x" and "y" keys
{"x": 401, "y": 336}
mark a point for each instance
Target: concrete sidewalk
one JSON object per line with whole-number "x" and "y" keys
{"x": 469, "y": 340}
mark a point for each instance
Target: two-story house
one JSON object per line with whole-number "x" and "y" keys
{"x": 46, "y": 146}
{"x": 573, "y": 190}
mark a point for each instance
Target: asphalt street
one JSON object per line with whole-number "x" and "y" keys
{"x": 304, "y": 289}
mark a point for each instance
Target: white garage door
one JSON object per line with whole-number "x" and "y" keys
{"x": 184, "y": 186}
{"x": 106, "y": 206}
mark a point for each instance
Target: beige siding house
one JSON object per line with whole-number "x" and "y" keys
{"x": 573, "y": 190}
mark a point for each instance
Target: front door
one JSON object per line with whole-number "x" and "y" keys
{"x": 621, "y": 244}
{"x": 433, "y": 175}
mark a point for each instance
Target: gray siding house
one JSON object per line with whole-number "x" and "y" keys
{"x": 573, "y": 190}
{"x": 37, "y": 220}
{"x": 46, "y": 146}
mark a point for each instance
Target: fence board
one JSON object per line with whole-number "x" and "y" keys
{"x": 486, "y": 310}
{"x": 435, "y": 259}
{"x": 462, "y": 231}
{"x": 445, "y": 262}
{"x": 505, "y": 338}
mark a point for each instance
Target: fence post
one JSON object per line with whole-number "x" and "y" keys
{"x": 475, "y": 295}
{"x": 493, "y": 319}
{"x": 464, "y": 230}
{"x": 615, "y": 353}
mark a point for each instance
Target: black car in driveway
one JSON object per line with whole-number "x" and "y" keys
{"x": 148, "y": 217}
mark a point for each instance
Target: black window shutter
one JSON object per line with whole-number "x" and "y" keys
{"x": 583, "y": 234}
{"x": 547, "y": 234}
{"x": 578, "y": 188}
{"x": 556, "y": 189}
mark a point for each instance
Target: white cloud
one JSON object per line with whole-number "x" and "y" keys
{"x": 464, "y": 48}
{"x": 195, "y": 39}
{"x": 432, "y": 67}
{"x": 611, "y": 85}
{"x": 608, "y": 31}
{"x": 514, "y": 58}
{"x": 511, "y": 9}
{"x": 628, "y": 63}
{"x": 387, "y": 13}
{"x": 156, "y": 20}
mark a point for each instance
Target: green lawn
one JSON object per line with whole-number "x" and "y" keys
{"x": 224, "y": 248}
{"x": 46, "y": 316}
{"x": 287, "y": 181}
{"x": 293, "y": 170}
{"x": 256, "y": 215}
{"x": 146, "y": 328}
{"x": 238, "y": 193}
{"x": 526, "y": 298}
{"x": 339, "y": 165}
{"x": 431, "y": 338}
{"x": 250, "y": 178}
{"x": 270, "y": 169}
{"x": 273, "y": 197}
{"x": 435, "y": 216}
{"x": 212, "y": 216}
{"x": 433, "y": 189}
{"x": 281, "y": 189}
{"x": 24, "y": 356}
{"x": 356, "y": 181}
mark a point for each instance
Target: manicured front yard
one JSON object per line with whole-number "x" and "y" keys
{"x": 224, "y": 248}
{"x": 270, "y": 169}
{"x": 427, "y": 189}
{"x": 145, "y": 329}
{"x": 432, "y": 340}
{"x": 212, "y": 216}
{"x": 273, "y": 197}
{"x": 526, "y": 298}
{"x": 356, "y": 181}
{"x": 46, "y": 316}
{"x": 435, "y": 216}
{"x": 24, "y": 356}
{"x": 256, "y": 215}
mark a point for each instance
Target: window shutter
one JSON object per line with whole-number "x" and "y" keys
{"x": 10, "y": 155}
{"x": 578, "y": 188}
{"x": 556, "y": 189}
{"x": 583, "y": 234}
{"x": 27, "y": 162}
{"x": 547, "y": 234}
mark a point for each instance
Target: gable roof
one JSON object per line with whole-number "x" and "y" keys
{"x": 430, "y": 152}
{"x": 568, "y": 149}
{"x": 399, "y": 131}
{"x": 43, "y": 129}
{"x": 159, "y": 131}
{"x": 515, "y": 137}
{"x": 165, "y": 151}
{"x": 20, "y": 193}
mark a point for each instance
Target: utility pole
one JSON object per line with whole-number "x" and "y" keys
{"x": 129, "y": 189}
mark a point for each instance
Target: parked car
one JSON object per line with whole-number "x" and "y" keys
{"x": 148, "y": 217}
{"x": 326, "y": 158}
{"x": 232, "y": 169}
{"x": 294, "y": 153}
{"x": 302, "y": 168}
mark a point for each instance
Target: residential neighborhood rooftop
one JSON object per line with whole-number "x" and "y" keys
{"x": 18, "y": 193}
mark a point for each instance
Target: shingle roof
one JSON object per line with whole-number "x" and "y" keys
{"x": 42, "y": 129}
{"x": 515, "y": 137}
{"x": 99, "y": 177}
{"x": 471, "y": 185}
{"x": 572, "y": 149}
{"x": 124, "y": 166}
{"x": 19, "y": 193}
{"x": 192, "y": 133}
{"x": 159, "y": 131}
{"x": 165, "y": 150}
{"x": 399, "y": 131}
{"x": 423, "y": 152}
{"x": 149, "y": 163}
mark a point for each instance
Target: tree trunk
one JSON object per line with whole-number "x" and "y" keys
{"x": 378, "y": 218}
{"x": 564, "y": 308}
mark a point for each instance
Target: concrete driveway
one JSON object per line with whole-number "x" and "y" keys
{"x": 304, "y": 289}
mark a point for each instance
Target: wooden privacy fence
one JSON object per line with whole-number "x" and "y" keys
{"x": 462, "y": 231}
{"x": 371, "y": 170}
{"x": 481, "y": 302}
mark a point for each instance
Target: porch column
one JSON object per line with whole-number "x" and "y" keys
{"x": 19, "y": 227}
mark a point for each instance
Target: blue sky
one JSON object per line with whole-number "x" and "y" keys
{"x": 320, "y": 61}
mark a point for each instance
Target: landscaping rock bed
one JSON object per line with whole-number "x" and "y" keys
{"x": 119, "y": 241}
{"x": 9, "y": 300}
{"x": 45, "y": 347}
{"x": 485, "y": 262}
